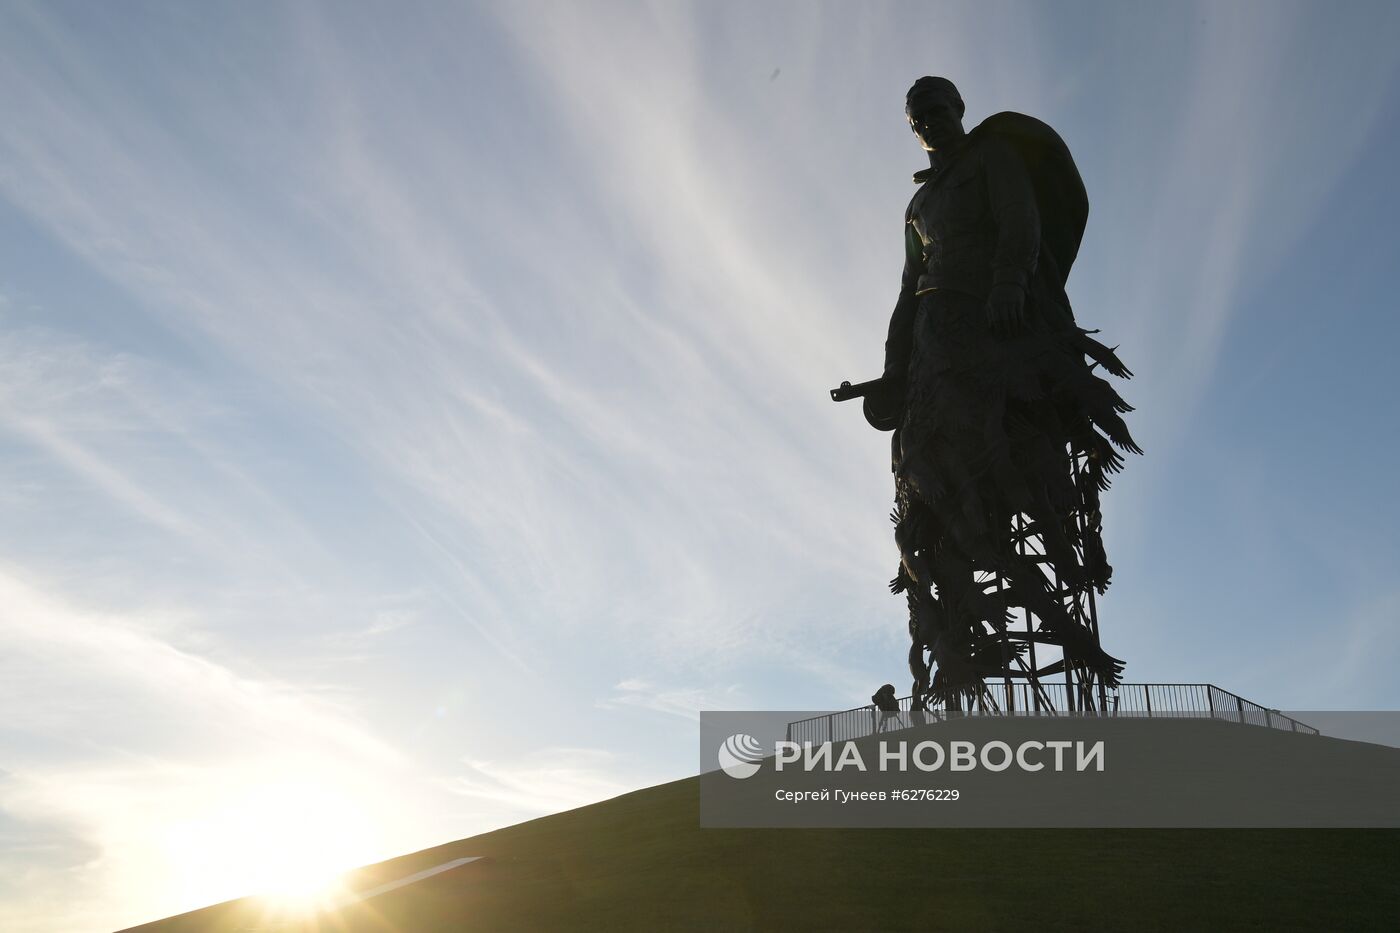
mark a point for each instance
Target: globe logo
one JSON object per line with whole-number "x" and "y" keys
{"x": 740, "y": 756}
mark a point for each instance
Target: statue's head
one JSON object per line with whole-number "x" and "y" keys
{"x": 935, "y": 111}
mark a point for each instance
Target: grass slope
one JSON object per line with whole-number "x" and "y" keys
{"x": 640, "y": 861}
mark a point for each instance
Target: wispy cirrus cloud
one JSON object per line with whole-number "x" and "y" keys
{"x": 546, "y": 781}
{"x": 684, "y": 702}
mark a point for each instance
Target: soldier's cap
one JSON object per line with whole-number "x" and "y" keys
{"x": 929, "y": 85}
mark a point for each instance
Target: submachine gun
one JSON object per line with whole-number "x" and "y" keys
{"x": 883, "y": 404}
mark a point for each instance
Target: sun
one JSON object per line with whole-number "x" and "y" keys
{"x": 287, "y": 838}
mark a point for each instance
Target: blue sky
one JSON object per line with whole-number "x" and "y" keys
{"x": 414, "y": 414}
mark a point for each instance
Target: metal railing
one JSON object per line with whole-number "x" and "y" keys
{"x": 1194, "y": 701}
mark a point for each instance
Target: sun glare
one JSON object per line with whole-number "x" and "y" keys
{"x": 288, "y": 840}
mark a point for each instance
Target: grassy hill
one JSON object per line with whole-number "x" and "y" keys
{"x": 641, "y": 862}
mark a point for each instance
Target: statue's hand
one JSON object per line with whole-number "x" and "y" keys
{"x": 1006, "y": 308}
{"x": 884, "y": 404}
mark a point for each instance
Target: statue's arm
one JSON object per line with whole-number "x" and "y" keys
{"x": 901, "y": 335}
{"x": 1017, "y": 218}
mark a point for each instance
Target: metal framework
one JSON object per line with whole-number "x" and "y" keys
{"x": 1035, "y": 673}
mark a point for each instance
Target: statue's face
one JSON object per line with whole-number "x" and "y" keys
{"x": 933, "y": 117}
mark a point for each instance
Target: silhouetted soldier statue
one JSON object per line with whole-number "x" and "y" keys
{"x": 996, "y": 413}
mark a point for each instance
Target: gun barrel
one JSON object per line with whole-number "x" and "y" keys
{"x": 845, "y": 391}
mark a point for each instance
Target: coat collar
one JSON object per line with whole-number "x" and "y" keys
{"x": 943, "y": 159}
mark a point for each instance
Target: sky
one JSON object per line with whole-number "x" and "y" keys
{"x": 412, "y": 415}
